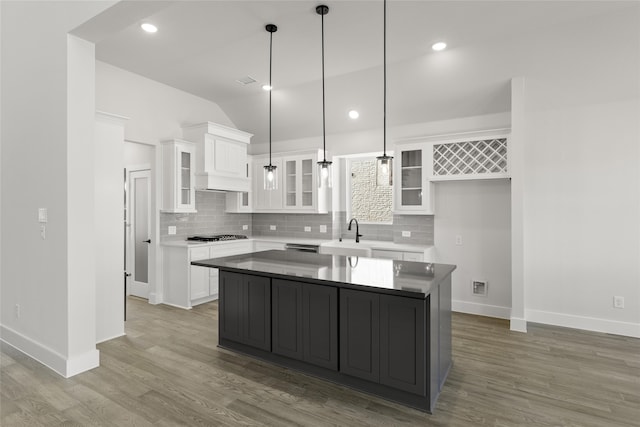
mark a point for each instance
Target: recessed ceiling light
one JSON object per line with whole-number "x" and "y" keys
{"x": 354, "y": 114}
{"x": 439, "y": 46}
{"x": 149, "y": 28}
{"x": 266, "y": 87}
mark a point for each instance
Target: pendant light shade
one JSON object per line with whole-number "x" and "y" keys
{"x": 325, "y": 172}
{"x": 384, "y": 163}
{"x": 270, "y": 171}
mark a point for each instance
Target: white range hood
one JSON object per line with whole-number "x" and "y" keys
{"x": 221, "y": 156}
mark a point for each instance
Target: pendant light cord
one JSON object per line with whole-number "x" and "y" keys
{"x": 384, "y": 54}
{"x": 324, "y": 137}
{"x": 270, "y": 88}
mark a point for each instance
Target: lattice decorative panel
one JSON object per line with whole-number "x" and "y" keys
{"x": 481, "y": 157}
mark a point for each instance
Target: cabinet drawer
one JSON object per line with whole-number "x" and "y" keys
{"x": 387, "y": 254}
{"x": 197, "y": 254}
{"x": 413, "y": 256}
{"x": 228, "y": 249}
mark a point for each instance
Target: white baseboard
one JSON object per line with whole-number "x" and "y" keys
{"x": 586, "y": 323}
{"x": 82, "y": 363}
{"x": 155, "y": 298}
{"x": 49, "y": 357}
{"x": 481, "y": 309}
{"x": 518, "y": 324}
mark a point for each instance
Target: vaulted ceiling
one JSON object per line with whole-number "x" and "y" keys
{"x": 203, "y": 47}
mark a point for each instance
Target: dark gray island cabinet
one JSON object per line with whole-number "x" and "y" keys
{"x": 310, "y": 312}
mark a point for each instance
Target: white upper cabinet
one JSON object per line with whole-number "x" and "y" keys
{"x": 300, "y": 182}
{"x": 297, "y": 184}
{"x": 178, "y": 192}
{"x": 412, "y": 188}
{"x": 221, "y": 156}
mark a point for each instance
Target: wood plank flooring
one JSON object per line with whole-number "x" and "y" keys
{"x": 167, "y": 371}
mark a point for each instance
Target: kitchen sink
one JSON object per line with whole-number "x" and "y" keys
{"x": 346, "y": 248}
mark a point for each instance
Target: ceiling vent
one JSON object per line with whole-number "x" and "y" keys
{"x": 246, "y": 80}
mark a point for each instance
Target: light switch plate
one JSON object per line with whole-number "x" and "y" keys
{"x": 42, "y": 214}
{"x": 307, "y": 229}
{"x": 406, "y": 234}
{"x": 272, "y": 227}
{"x": 245, "y": 227}
{"x": 171, "y": 229}
{"x": 323, "y": 228}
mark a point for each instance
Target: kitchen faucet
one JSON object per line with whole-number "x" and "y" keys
{"x": 358, "y": 235}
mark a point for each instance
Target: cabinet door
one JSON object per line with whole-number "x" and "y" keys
{"x": 360, "y": 334}
{"x": 214, "y": 282}
{"x": 287, "y": 318}
{"x": 231, "y": 306}
{"x": 257, "y": 312}
{"x": 291, "y": 186}
{"x": 413, "y": 190}
{"x": 199, "y": 282}
{"x": 320, "y": 325}
{"x": 402, "y": 343}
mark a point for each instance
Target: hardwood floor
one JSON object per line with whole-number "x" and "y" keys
{"x": 167, "y": 371}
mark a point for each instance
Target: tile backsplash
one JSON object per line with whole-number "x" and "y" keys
{"x": 420, "y": 227}
{"x": 211, "y": 218}
{"x": 293, "y": 225}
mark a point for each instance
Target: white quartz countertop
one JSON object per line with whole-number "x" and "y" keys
{"x": 371, "y": 244}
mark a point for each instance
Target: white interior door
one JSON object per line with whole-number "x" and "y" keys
{"x": 139, "y": 189}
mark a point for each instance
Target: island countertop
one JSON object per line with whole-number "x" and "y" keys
{"x": 405, "y": 278}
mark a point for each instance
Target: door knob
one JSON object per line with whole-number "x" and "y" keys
{"x": 147, "y": 241}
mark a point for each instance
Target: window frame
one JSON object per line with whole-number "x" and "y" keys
{"x": 349, "y": 190}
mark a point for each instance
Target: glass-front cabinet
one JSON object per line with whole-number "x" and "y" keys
{"x": 413, "y": 189}
{"x": 178, "y": 186}
{"x": 299, "y": 179}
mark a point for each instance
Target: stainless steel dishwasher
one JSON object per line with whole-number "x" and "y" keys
{"x": 301, "y": 248}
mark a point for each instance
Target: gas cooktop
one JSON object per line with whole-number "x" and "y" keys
{"x": 217, "y": 237}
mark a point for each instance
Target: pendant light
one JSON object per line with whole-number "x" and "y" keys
{"x": 384, "y": 163}
{"x": 324, "y": 166}
{"x": 270, "y": 171}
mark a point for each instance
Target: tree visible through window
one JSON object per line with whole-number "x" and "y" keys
{"x": 369, "y": 203}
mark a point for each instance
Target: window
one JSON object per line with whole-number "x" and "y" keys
{"x": 368, "y": 203}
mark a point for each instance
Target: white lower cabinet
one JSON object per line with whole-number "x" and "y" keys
{"x": 186, "y": 285}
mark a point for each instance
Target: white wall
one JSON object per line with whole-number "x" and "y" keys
{"x": 47, "y": 121}
{"x": 136, "y": 154}
{"x": 581, "y": 171}
{"x": 109, "y": 180}
{"x": 156, "y": 111}
{"x": 581, "y": 223}
{"x": 479, "y": 212}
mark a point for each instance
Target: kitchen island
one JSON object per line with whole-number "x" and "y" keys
{"x": 380, "y": 326}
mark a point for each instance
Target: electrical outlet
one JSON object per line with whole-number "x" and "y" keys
{"x": 307, "y": 229}
{"x": 43, "y": 231}
{"x": 458, "y": 240}
{"x": 272, "y": 227}
{"x": 171, "y": 229}
{"x": 17, "y": 311}
{"x": 406, "y": 234}
{"x": 42, "y": 214}
{"x": 245, "y": 227}
{"x": 323, "y": 228}
{"x": 618, "y": 302}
